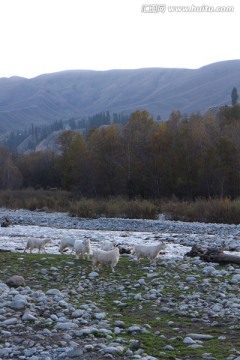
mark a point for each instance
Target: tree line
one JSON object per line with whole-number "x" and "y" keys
{"x": 185, "y": 156}
{"x": 36, "y": 133}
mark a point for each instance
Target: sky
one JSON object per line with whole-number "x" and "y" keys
{"x": 45, "y": 36}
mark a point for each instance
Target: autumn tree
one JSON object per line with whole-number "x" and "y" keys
{"x": 105, "y": 158}
{"x": 10, "y": 177}
{"x": 135, "y": 148}
{"x": 164, "y": 157}
{"x": 38, "y": 169}
{"x": 192, "y": 144}
{"x": 72, "y": 163}
{"x": 158, "y": 147}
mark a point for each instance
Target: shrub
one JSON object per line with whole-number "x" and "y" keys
{"x": 115, "y": 207}
{"x": 141, "y": 209}
{"x": 85, "y": 208}
{"x": 35, "y": 199}
{"x": 204, "y": 210}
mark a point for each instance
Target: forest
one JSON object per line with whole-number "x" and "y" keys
{"x": 186, "y": 156}
{"x": 36, "y": 133}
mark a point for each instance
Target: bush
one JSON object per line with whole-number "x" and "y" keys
{"x": 85, "y": 208}
{"x": 141, "y": 209}
{"x": 115, "y": 207}
{"x": 35, "y": 199}
{"x": 204, "y": 210}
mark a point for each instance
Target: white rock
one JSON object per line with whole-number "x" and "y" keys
{"x": 100, "y": 316}
{"x": 188, "y": 340}
{"x": 17, "y": 304}
{"x": 93, "y": 274}
{"x": 200, "y": 336}
{"x": 54, "y": 292}
{"x": 11, "y": 321}
{"x": 113, "y": 350}
{"x": 134, "y": 328}
{"x": 66, "y": 326}
{"x": 28, "y": 317}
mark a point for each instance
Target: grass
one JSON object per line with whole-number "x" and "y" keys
{"x": 162, "y": 327}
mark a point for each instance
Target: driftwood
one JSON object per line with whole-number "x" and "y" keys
{"x": 213, "y": 255}
{"x": 124, "y": 250}
{"x": 6, "y": 222}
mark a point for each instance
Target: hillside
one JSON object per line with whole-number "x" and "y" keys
{"x": 50, "y": 97}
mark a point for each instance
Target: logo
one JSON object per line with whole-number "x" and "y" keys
{"x": 153, "y": 8}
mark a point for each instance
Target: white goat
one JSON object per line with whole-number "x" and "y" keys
{"x": 36, "y": 244}
{"x": 106, "y": 245}
{"x": 82, "y": 247}
{"x": 101, "y": 257}
{"x": 66, "y": 243}
{"x": 148, "y": 251}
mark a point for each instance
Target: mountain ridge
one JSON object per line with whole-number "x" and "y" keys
{"x": 74, "y": 93}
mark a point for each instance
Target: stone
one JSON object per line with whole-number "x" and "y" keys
{"x": 66, "y": 326}
{"x": 3, "y": 287}
{"x": 93, "y": 274}
{"x": 188, "y": 340}
{"x": 114, "y": 350}
{"x": 17, "y": 304}
{"x": 16, "y": 281}
{"x": 5, "y": 352}
{"x": 77, "y": 313}
{"x": 11, "y": 321}
{"x": 54, "y": 292}
{"x": 75, "y": 353}
{"x": 119, "y": 323}
{"x": 27, "y": 316}
{"x": 168, "y": 348}
{"x": 100, "y": 316}
{"x": 235, "y": 279}
{"x": 30, "y": 352}
{"x": 200, "y": 336}
{"x": 208, "y": 270}
{"x": 134, "y": 328}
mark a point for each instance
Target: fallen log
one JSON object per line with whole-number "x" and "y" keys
{"x": 213, "y": 255}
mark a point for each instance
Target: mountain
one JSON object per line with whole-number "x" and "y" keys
{"x": 75, "y": 93}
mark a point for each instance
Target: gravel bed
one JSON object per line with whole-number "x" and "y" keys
{"x": 40, "y": 324}
{"x": 62, "y": 220}
{"x": 184, "y": 233}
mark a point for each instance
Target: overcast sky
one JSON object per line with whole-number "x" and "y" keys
{"x": 44, "y": 36}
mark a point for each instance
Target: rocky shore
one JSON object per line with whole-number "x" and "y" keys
{"x": 65, "y": 315}
{"x": 183, "y": 233}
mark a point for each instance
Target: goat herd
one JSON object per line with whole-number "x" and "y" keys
{"x": 108, "y": 254}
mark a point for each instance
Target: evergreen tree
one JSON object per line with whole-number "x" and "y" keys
{"x": 234, "y": 96}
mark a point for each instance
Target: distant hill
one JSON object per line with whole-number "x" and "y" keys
{"x": 63, "y": 95}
